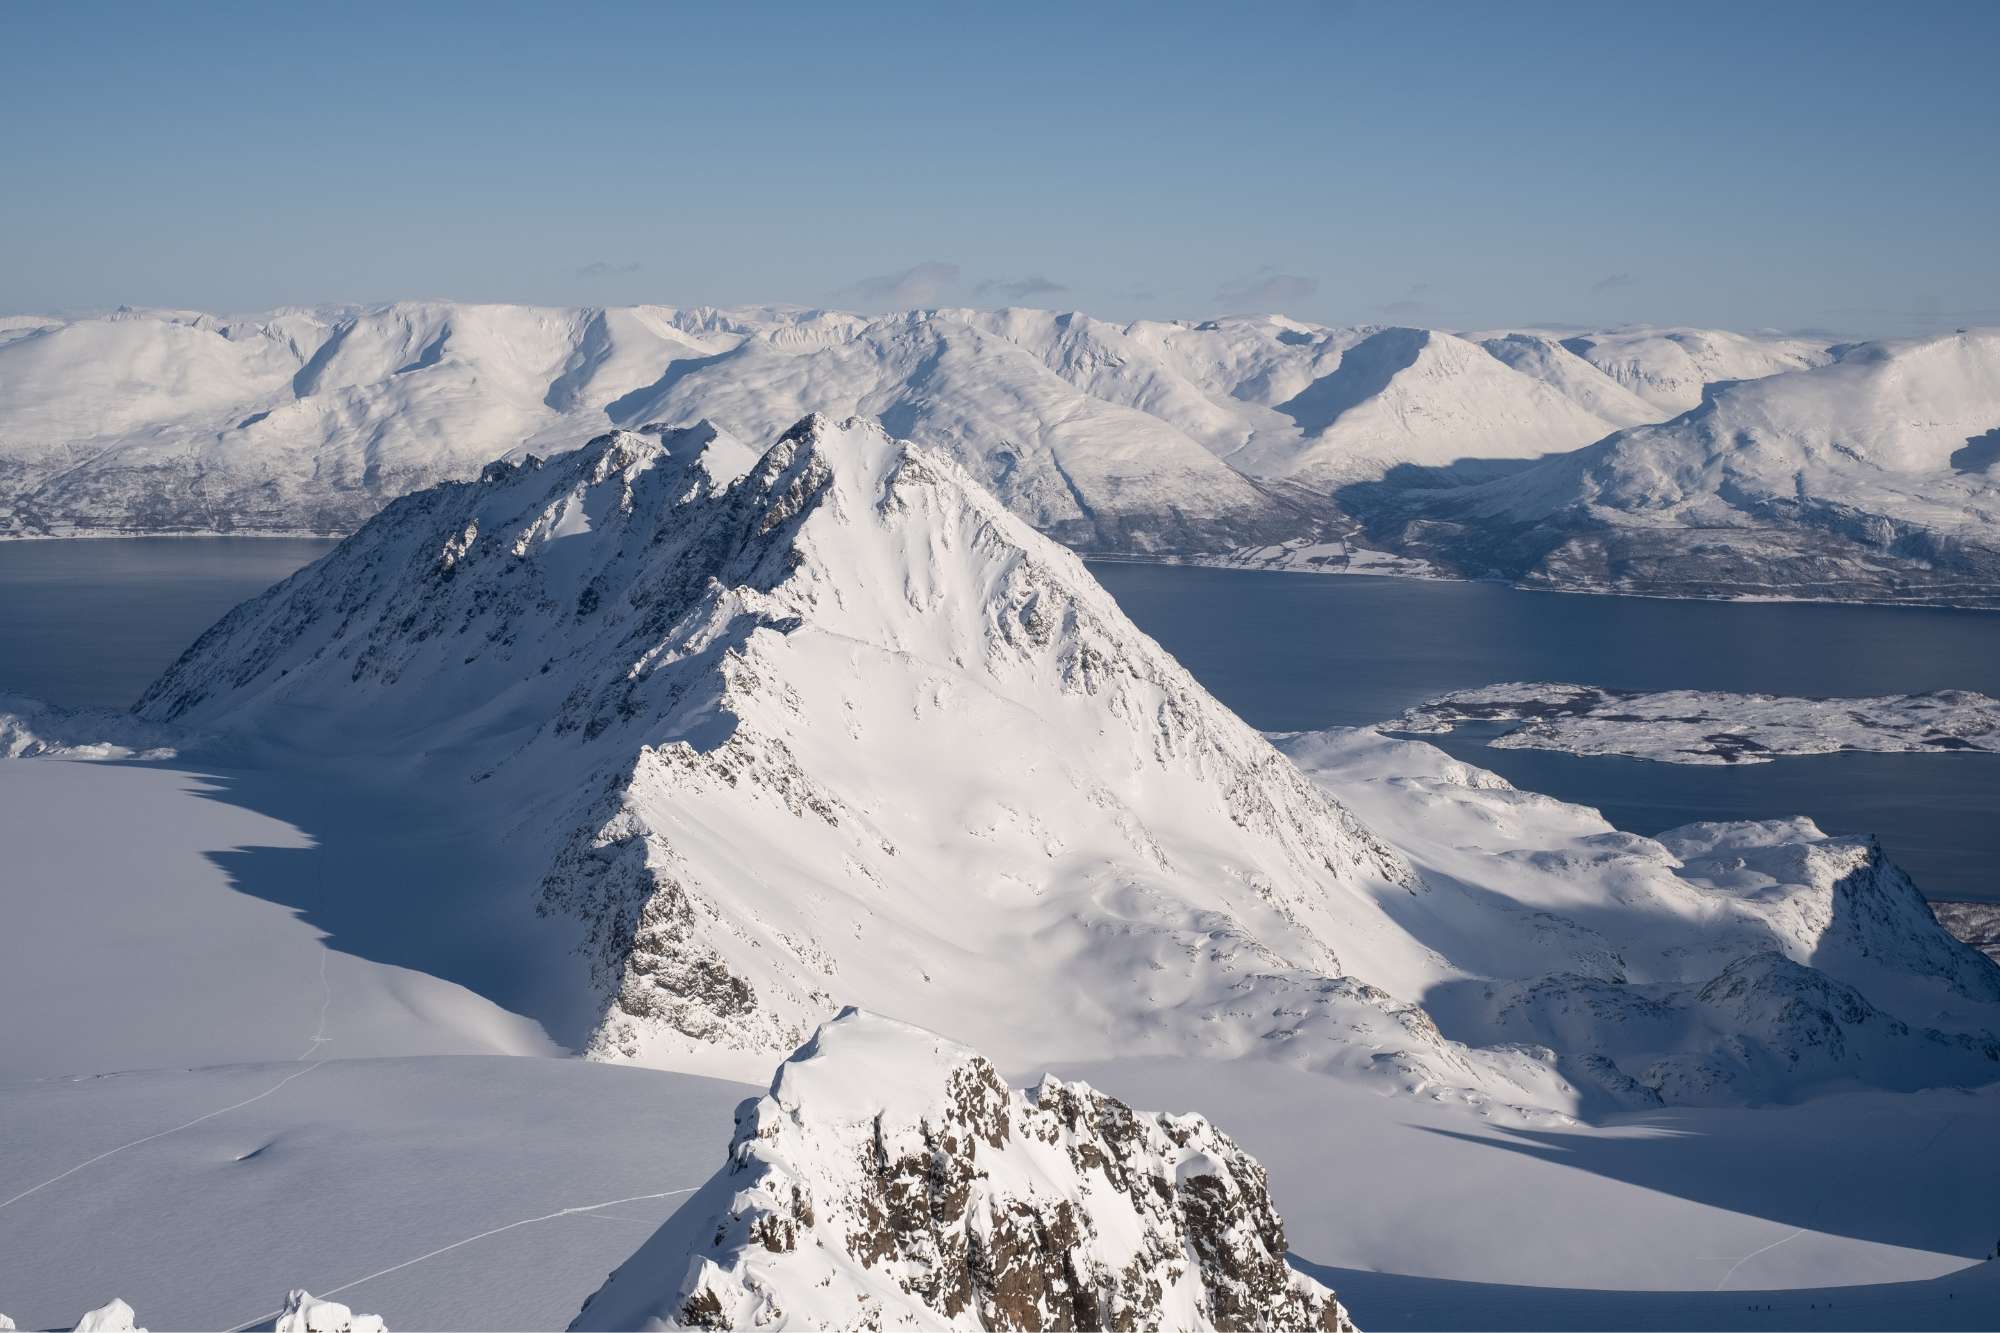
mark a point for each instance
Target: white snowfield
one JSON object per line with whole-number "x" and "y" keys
{"x": 1711, "y": 727}
{"x": 891, "y": 1180}
{"x": 666, "y": 749}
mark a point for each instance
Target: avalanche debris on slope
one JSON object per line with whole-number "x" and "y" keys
{"x": 1708, "y": 727}
{"x": 891, "y": 1180}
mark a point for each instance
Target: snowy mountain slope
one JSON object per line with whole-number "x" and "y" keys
{"x": 1153, "y": 437}
{"x": 1670, "y": 368}
{"x": 1866, "y": 478}
{"x": 1423, "y": 399}
{"x": 736, "y": 698}
{"x": 891, "y": 1180}
{"x": 302, "y": 420}
{"x": 1717, "y": 963}
{"x": 310, "y": 420}
{"x": 1091, "y": 457}
{"x": 733, "y": 705}
{"x": 1578, "y": 380}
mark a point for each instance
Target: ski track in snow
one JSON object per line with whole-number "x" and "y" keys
{"x": 578, "y": 1210}
{"x": 1754, "y": 1253}
{"x": 317, "y": 1040}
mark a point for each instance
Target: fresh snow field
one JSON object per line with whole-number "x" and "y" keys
{"x": 1698, "y": 1200}
{"x": 431, "y": 1190}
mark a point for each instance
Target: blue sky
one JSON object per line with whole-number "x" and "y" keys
{"x": 1764, "y": 165}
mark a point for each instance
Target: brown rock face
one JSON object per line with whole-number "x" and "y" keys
{"x": 891, "y": 1179}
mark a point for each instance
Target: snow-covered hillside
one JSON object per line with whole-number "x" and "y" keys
{"x": 1686, "y": 461}
{"x": 311, "y": 420}
{"x": 1717, "y": 963}
{"x": 891, "y": 1180}
{"x": 734, "y": 698}
{"x": 1417, "y": 398}
{"x": 773, "y": 734}
{"x": 1869, "y": 477}
{"x": 1152, "y": 437}
{"x": 1671, "y": 368}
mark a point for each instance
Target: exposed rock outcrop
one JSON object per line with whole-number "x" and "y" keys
{"x": 891, "y": 1180}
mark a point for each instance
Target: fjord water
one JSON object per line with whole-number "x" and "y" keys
{"x": 92, "y": 622}
{"x": 1292, "y": 652}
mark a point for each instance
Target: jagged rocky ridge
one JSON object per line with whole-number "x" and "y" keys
{"x": 831, "y": 725}
{"x": 891, "y": 1180}
{"x": 772, "y": 734}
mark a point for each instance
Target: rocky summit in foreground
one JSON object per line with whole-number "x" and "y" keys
{"x": 891, "y": 1180}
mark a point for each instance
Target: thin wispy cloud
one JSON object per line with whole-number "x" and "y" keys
{"x": 1266, "y": 290}
{"x": 1613, "y": 281}
{"x": 1020, "y": 289}
{"x": 917, "y": 286}
{"x": 1410, "y": 307}
{"x": 603, "y": 268}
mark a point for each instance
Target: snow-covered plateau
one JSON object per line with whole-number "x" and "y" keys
{"x": 1678, "y": 461}
{"x": 1710, "y": 727}
{"x": 666, "y": 749}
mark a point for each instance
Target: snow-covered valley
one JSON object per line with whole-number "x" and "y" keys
{"x": 665, "y": 749}
{"x": 1690, "y": 462}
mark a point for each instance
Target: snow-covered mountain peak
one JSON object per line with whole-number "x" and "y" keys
{"x": 838, "y": 727}
{"x": 891, "y": 1179}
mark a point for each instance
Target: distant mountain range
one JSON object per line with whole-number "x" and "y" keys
{"x": 1683, "y": 461}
